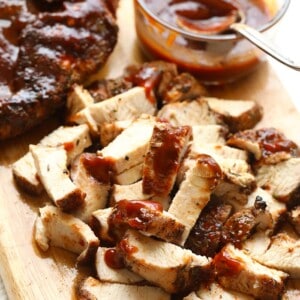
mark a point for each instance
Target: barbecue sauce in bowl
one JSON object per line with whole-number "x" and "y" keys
{"x": 214, "y": 59}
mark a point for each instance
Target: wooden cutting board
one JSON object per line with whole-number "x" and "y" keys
{"x": 30, "y": 274}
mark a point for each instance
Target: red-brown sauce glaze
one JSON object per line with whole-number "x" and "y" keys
{"x": 114, "y": 259}
{"x": 148, "y": 78}
{"x": 137, "y": 214}
{"x": 272, "y": 141}
{"x": 163, "y": 157}
{"x": 69, "y": 146}
{"x": 226, "y": 265}
{"x": 101, "y": 168}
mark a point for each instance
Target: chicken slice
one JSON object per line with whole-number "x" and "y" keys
{"x": 167, "y": 147}
{"x": 283, "y": 254}
{"x": 78, "y": 99}
{"x": 215, "y": 291}
{"x": 133, "y": 192}
{"x": 268, "y": 145}
{"x": 146, "y": 216}
{"x": 278, "y": 181}
{"x": 208, "y": 134}
{"x": 100, "y": 224}
{"x": 130, "y": 176}
{"x": 117, "y": 273}
{"x": 51, "y": 165}
{"x": 191, "y": 113}
{"x": 195, "y": 191}
{"x": 96, "y": 192}
{"x": 128, "y": 148}
{"x": 73, "y": 139}
{"x": 109, "y": 131}
{"x": 257, "y": 244}
{"x": 294, "y": 218}
{"x": 183, "y": 87}
{"x": 166, "y": 265}
{"x": 59, "y": 229}
{"x": 239, "y": 272}
{"x": 126, "y": 106}
{"x": 237, "y": 114}
{"x": 92, "y": 289}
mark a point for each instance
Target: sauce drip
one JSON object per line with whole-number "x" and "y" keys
{"x": 136, "y": 214}
{"x": 101, "y": 168}
{"x": 114, "y": 259}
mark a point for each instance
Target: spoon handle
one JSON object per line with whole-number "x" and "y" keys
{"x": 259, "y": 40}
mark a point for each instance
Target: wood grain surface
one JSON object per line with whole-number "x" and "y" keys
{"x": 30, "y": 274}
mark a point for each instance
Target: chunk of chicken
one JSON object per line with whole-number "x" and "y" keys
{"x": 268, "y": 145}
{"x": 128, "y": 148}
{"x": 129, "y": 176}
{"x": 51, "y": 165}
{"x": 283, "y": 254}
{"x": 100, "y": 224}
{"x": 294, "y": 218}
{"x": 146, "y": 216}
{"x": 166, "y": 265}
{"x": 78, "y": 99}
{"x": 73, "y": 139}
{"x": 96, "y": 192}
{"x": 167, "y": 147}
{"x": 195, "y": 191}
{"x": 191, "y": 113}
{"x": 107, "y": 274}
{"x": 237, "y": 114}
{"x": 183, "y": 87}
{"x": 208, "y": 134}
{"x": 215, "y": 291}
{"x": 92, "y": 289}
{"x": 59, "y": 229}
{"x": 239, "y": 272}
{"x": 278, "y": 181}
{"x": 126, "y": 106}
{"x": 133, "y": 192}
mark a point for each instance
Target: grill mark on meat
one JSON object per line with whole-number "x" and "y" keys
{"x": 45, "y": 48}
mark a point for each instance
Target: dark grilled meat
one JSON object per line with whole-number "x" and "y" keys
{"x": 51, "y": 46}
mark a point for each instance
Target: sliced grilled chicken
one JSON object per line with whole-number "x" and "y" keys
{"x": 128, "y": 148}
{"x": 109, "y": 131}
{"x": 73, "y": 139}
{"x": 208, "y": 134}
{"x": 78, "y": 99}
{"x": 51, "y": 165}
{"x": 166, "y": 265}
{"x": 239, "y": 272}
{"x": 126, "y": 106}
{"x": 237, "y": 114}
{"x": 110, "y": 268}
{"x": 283, "y": 254}
{"x": 96, "y": 192}
{"x": 274, "y": 207}
{"x": 59, "y": 229}
{"x": 93, "y": 289}
{"x": 146, "y": 216}
{"x": 257, "y": 244}
{"x": 129, "y": 176}
{"x": 278, "y": 181}
{"x": 215, "y": 291}
{"x": 100, "y": 224}
{"x": 195, "y": 191}
{"x": 191, "y": 113}
{"x": 167, "y": 147}
{"x": 134, "y": 192}
{"x": 294, "y": 218}
{"x": 183, "y": 87}
{"x": 268, "y": 145}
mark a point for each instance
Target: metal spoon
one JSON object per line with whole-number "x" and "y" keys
{"x": 255, "y": 37}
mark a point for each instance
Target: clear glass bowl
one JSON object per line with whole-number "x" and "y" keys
{"x": 214, "y": 59}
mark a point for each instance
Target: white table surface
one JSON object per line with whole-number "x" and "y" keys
{"x": 287, "y": 38}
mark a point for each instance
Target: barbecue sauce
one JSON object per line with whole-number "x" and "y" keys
{"x": 114, "y": 259}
